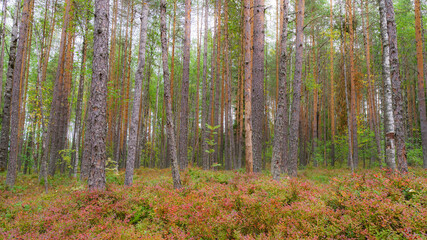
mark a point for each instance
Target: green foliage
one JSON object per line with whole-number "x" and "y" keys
{"x": 141, "y": 213}
{"x": 211, "y": 141}
{"x": 414, "y": 152}
{"x": 66, "y": 157}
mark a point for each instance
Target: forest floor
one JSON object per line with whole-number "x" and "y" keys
{"x": 319, "y": 204}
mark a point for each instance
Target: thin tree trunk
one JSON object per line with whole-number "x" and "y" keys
{"x": 168, "y": 99}
{"x": 353, "y": 107}
{"x": 60, "y": 95}
{"x": 373, "y": 123}
{"x": 216, "y": 109}
{"x": 347, "y": 101}
{"x": 248, "y": 88}
{"x": 281, "y": 120}
{"x": 154, "y": 131}
{"x": 421, "y": 81}
{"x": 77, "y": 124}
{"x": 332, "y": 96}
{"x": 41, "y": 77}
{"x": 294, "y": 127}
{"x": 139, "y": 76}
{"x": 315, "y": 102}
{"x": 205, "y": 110}
{"x": 183, "y": 132}
{"x": 112, "y": 79}
{"x": 197, "y": 110}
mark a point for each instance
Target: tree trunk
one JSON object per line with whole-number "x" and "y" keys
{"x": 59, "y": 106}
{"x": 183, "y": 132}
{"x": 167, "y": 98}
{"x": 139, "y": 76}
{"x": 197, "y": 108}
{"x": 2, "y": 41}
{"x": 77, "y": 124}
{"x": 400, "y": 128}
{"x": 389, "y": 118}
{"x": 279, "y": 156}
{"x": 421, "y": 81}
{"x": 17, "y": 77}
{"x": 353, "y": 107}
{"x": 248, "y": 88}
{"x": 4, "y": 135}
{"x": 111, "y": 78}
{"x": 98, "y": 98}
{"x": 258, "y": 84}
{"x": 373, "y": 123}
{"x": 216, "y": 102}
{"x": 332, "y": 96}
{"x": 315, "y": 102}
{"x": 205, "y": 110}
{"x": 154, "y": 131}
{"x": 294, "y": 127}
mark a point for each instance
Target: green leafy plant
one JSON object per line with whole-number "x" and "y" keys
{"x": 211, "y": 141}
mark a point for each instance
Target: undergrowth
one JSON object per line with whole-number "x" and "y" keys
{"x": 319, "y": 204}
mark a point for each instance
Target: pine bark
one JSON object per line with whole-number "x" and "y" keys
{"x": 421, "y": 81}
{"x": 98, "y": 99}
{"x": 347, "y": 101}
{"x": 279, "y": 157}
{"x": 353, "y": 104}
{"x": 139, "y": 76}
{"x": 295, "y": 116}
{"x": 258, "y": 84}
{"x": 183, "y": 132}
{"x": 168, "y": 99}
